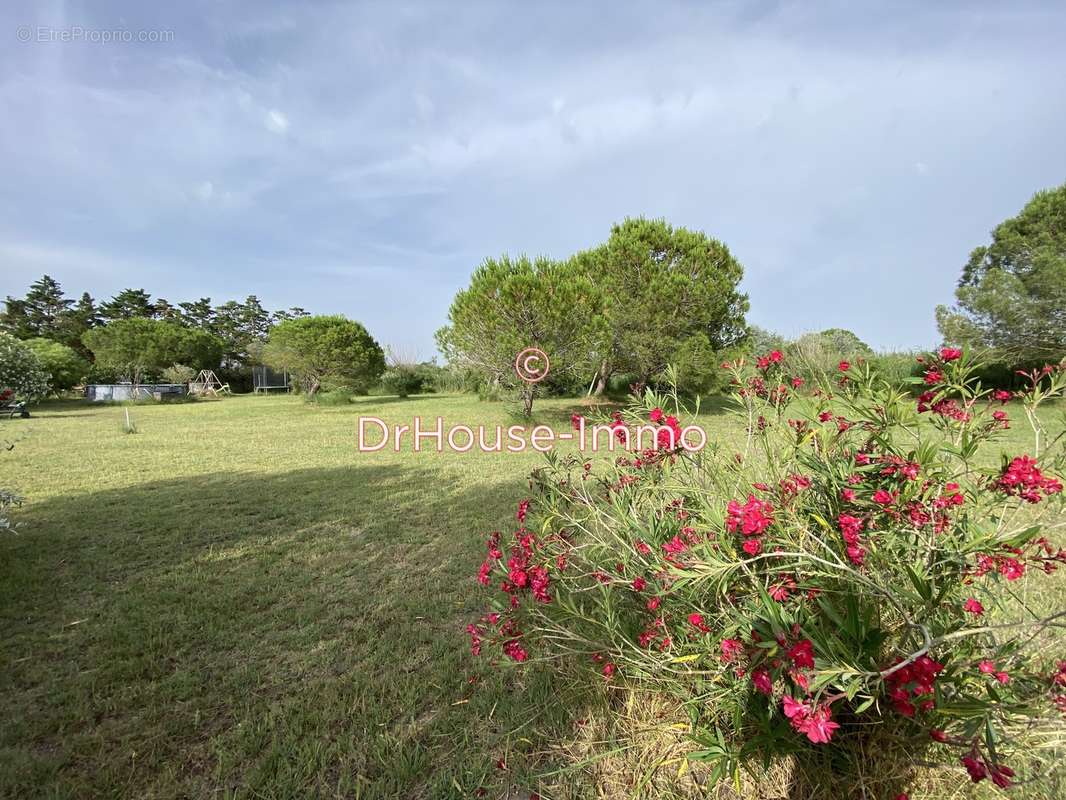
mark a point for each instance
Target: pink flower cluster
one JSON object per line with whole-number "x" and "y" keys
{"x": 945, "y": 407}
{"x": 751, "y": 519}
{"x": 1011, "y": 563}
{"x": 850, "y": 528}
{"x": 1023, "y": 478}
{"x": 670, "y": 430}
{"x": 980, "y": 768}
{"x": 913, "y": 681}
{"x": 522, "y": 577}
{"x": 814, "y": 721}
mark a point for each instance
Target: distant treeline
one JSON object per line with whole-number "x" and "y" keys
{"x": 45, "y": 312}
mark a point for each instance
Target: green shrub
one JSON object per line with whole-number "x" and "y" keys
{"x": 332, "y": 397}
{"x": 22, "y": 375}
{"x": 402, "y": 380}
{"x": 140, "y": 348}
{"x": 64, "y": 365}
{"x": 102, "y": 373}
{"x": 179, "y": 373}
{"x": 896, "y": 369}
{"x": 820, "y": 594}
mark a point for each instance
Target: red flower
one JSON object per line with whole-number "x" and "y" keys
{"x": 815, "y": 723}
{"x": 802, "y": 654}
{"x": 674, "y": 547}
{"x": 656, "y": 414}
{"x": 523, "y": 508}
{"x": 1001, "y": 776}
{"x": 515, "y": 650}
{"x": 1011, "y": 569}
{"x": 654, "y": 603}
{"x": 950, "y": 354}
{"x": 760, "y": 678}
{"x": 974, "y": 606}
{"x": 847, "y": 495}
{"x": 696, "y": 621}
{"x": 609, "y": 670}
{"x": 731, "y": 649}
{"x": 638, "y": 584}
{"x": 850, "y": 527}
{"x": 1022, "y": 478}
{"x": 883, "y": 498}
{"x": 976, "y": 768}
{"x": 856, "y": 554}
{"x": 933, "y": 377}
{"x": 752, "y": 547}
{"x": 987, "y": 667}
{"x": 843, "y": 366}
{"x": 938, "y": 735}
{"x": 753, "y": 518}
{"x": 793, "y": 708}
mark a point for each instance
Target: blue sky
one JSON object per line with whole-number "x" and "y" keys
{"x": 364, "y": 158}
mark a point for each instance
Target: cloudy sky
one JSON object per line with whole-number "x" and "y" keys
{"x": 363, "y": 158}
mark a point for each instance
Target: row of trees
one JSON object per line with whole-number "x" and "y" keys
{"x": 55, "y": 342}
{"x": 136, "y": 334}
{"x": 652, "y": 295}
{"x": 46, "y": 312}
{"x": 319, "y": 351}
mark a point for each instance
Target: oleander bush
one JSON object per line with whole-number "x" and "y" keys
{"x": 843, "y": 584}
{"x": 23, "y": 377}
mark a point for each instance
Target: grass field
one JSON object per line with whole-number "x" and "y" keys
{"x": 234, "y": 602}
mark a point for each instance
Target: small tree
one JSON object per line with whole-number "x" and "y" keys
{"x": 760, "y": 341}
{"x": 179, "y": 373}
{"x": 21, "y": 373}
{"x": 325, "y": 350}
{"x": 662, "y": 285}
{"x": 66, "y": 368}
{"x": 1012, "y": 293}
{"x": 818, "y": 353}
{"x": 515, "y": 304}
{"x": 138, "y": 345}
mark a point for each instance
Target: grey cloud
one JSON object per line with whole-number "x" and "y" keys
{"x": 336, "y": 155}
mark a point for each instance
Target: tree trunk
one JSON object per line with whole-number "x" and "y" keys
{"x": 601, "y": 380}
{"x": 312, "y": 390}
{"x": 527, "y": 400}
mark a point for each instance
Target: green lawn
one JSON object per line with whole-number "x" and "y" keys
{"x": 234, "y": 602}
